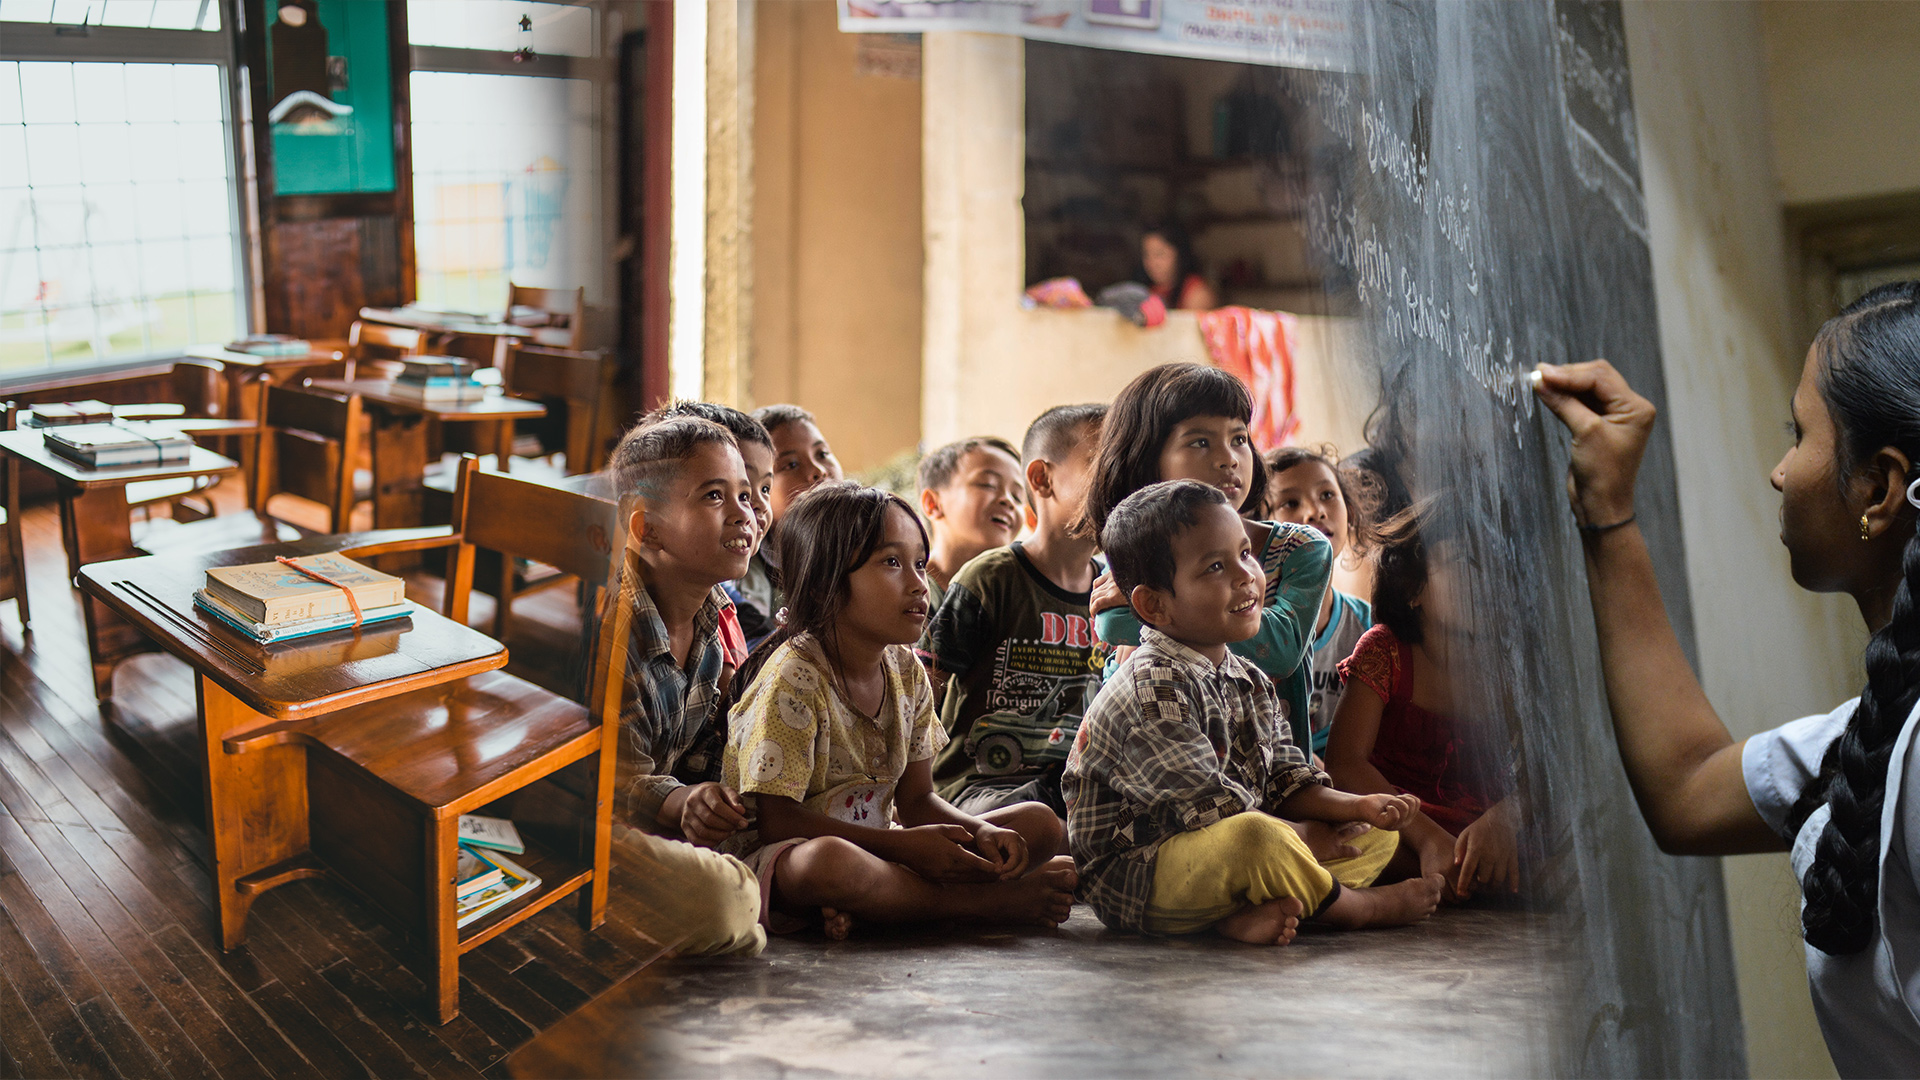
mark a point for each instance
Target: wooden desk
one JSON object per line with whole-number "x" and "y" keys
{"x": 400, "y": 440}
{"x": 254, "y": 698}
{"x": 245, "y": 371}
{"x": 95, "y": 525}
{"x": 445, "y": 330}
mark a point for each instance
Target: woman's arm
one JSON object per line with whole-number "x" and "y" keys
{"x": 1683, "y": 764}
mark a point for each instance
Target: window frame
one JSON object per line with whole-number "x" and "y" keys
{"x": 54, "y": 43}
{"x": 600, "y": 70}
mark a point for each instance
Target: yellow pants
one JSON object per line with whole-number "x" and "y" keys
{"x": 1203, "y": 876}
{"x": 693, "y": 900}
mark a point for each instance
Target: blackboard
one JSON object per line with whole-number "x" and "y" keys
{"x": 1475, "y": 200}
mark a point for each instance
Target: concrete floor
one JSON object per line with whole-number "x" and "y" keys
{"x": 1469, "y": 993}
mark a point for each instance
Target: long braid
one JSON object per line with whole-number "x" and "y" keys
{"x": 1869, "y": 377}
{"x": 1842, "y": 886}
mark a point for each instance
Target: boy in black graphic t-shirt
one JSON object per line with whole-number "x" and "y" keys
{"x": 1013, "y": 640}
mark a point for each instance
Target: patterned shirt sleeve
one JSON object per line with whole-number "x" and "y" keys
{"x": 1298, "y": 561}
{"x": 1375, "y": 662}
{"x": 780, "y": 728}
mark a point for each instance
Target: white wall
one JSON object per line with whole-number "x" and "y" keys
{"x": 1768, "y": 652}
{"x": 1843, "y": 81}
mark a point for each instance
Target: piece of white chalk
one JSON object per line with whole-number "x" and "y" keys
{"x": 1536, "y": 377}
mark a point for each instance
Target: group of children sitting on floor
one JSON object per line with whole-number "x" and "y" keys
{"x": 842, "y": 708}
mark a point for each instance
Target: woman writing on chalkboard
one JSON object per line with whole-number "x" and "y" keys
{"x": 1840, "y": 791}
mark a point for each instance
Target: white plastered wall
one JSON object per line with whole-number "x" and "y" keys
{"x": 1768, "y": 651}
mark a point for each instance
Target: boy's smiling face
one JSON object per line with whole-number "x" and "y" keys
{"x": 759, "y": 462}
{"x": 980, "y": 506}
{"x": 801, "y": 459}
{"x": 1216, "y": 586}
{"x": 701, "y": 527}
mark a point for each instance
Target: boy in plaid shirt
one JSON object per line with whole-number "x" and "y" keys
{"x": 1182, "y": 769}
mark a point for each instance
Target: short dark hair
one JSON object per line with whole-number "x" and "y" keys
{"x": 937, "y": 468}
{"x": 1141, "y": 420}
{"x": 775, "y": 417}
{"x": 743, "y": 428}
{"x": 1140, "y": 532}
{"x": 651, "y": 454}
{"x": 1053, "y": 433}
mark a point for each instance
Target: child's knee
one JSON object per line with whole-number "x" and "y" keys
{"x": 726, "y": 898}
{"x": 824, "y": 869}
{"x": 1036, "y": 823}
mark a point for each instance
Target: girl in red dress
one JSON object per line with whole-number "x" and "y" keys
{"x": 1396, "y": 729}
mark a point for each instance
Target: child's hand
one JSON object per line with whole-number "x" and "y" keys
{"x": 1386, "y": 811}
{"x": 1436, "y": 857}
{"x": 940, "y": 853}
{"x": 1488, "y": 853}
{"x": 1106, "y": 595}
{"x": 1329, "y": 842}
{"x": 1004, "y": 848}
{"x": 711, "y": 813}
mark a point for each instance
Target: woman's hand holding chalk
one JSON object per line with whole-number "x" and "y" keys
{"x": 1610, "y": 425}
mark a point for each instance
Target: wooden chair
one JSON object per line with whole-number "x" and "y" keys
{"x": 388, "y": 781}
{"x": 309, "y": 447}
{"x": 200, "y": 389}
{"x": 557, "y": 317}
{"x": 13, "y": 551}
{"x": 377, "y": 343}
{"x": 577, "y": 382}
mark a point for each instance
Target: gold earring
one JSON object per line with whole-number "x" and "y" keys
{"x": 1866, "y": 531}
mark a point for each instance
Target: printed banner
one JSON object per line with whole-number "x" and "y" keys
{"x": 1280, "y": 33}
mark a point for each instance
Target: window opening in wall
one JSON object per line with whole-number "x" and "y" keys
{"x": 1120, "y": 144}
{"x": 118, "y": 237}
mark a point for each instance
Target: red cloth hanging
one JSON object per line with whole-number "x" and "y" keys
{"x": 1257, "y": 347}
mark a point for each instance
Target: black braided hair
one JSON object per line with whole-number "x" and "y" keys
{"x": 1869, "y": 377}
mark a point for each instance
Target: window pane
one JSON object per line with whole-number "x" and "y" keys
{"x": 116, "y": 222}
{"x": 506, "y": 187}
{"x": 145, "y": 14}
{"x": 555, "y": 29}
{"x": 9, "y": 92}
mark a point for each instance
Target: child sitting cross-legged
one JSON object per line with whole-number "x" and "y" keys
{"x": 1183, "y": 766}
{"x": 690, "y": 526}
{"x": 1013, "y": 636}
{"x": 834, "y": 738}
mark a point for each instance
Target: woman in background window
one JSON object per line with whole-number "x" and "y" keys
{"x": 1168, "y": 269}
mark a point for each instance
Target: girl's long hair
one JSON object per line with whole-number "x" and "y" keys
{"x": 830, "y": 531}
{"x": 1139, "y": 423}
{"x": 1869, "y": 377}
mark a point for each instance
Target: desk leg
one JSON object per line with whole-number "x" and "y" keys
{"x": 94, "y": 526}
{"x": 256, "y": 811}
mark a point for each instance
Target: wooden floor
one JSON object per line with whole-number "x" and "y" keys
{"x": 109, "y": 962}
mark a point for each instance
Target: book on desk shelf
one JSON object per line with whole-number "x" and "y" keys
{"x": 473, "y": 873}
{"x": 268, "y": 633}
{"x": 272, "y": 593}
{"x": 480, "y": 831}
{"x": 124, "y": 443}
{"x": 430, "y": 369}
{"x": 270, "y": 345}
{"x": 458, "y": 393}
{"x": 63, "y": 413}
{"x": 515, "y": 881}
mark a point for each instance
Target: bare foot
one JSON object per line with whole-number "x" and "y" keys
{"x": 1044, "y": 897}
{"x": 1386, "y": 905}
{"x": 837, "y": 924}
{"x": 1062, "y": 862}
{"x": 1272, "y": 923}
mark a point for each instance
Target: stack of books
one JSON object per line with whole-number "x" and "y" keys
{"x": 271, "y": 345}
{"x": 62, "y": 413}
{"x": 125, "y": 442}
{"x": 271, "y": 602}
{"x": 440, "y": 380}
{"x": 487, "y": 879}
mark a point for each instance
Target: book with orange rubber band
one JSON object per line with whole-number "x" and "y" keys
{"x": 274, "y": 592}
